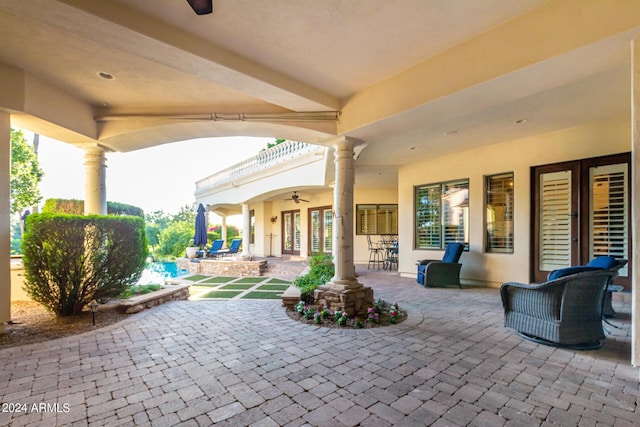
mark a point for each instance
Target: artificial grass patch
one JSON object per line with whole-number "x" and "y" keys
{"x": 219, "y": 279}
{"x": 270, "y": 287}
{"x": 222, "y": 294}
{"x": 262, "y": 295}
{"x": 275, "y": 280}
{"x": 251, "y": 280}
{"x": 238, "y": 286}
{"x": 195, "y": 277}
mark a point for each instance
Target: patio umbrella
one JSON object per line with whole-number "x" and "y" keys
{"x": 200, "y": 237}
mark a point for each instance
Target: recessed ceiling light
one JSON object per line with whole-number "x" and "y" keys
{"x": 518, "y": 122}
{"x": 413, "y": 148}
{"x": 105, "y": 75}
{"x": 451, "y": 132}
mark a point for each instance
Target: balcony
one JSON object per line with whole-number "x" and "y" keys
{"x": 290, "y": 162}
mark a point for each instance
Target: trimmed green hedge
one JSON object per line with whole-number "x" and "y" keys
{"x": 71, "y": 260}
{"x": 76, "y": 207}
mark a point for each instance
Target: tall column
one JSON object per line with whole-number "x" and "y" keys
{"x": 5, "y": 220}
{"x": 246, "y": 231}
{"x": 223, "y": 230}
{"x": 344, "y": 292}
{"x": 635, "y": 196}
{"x": 95, "y": 193}
{"x": 345, "y": 275}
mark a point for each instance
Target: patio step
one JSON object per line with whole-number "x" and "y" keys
{"x": 285, "y": 268}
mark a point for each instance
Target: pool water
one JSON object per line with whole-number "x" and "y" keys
{"x": 157, "y": 272}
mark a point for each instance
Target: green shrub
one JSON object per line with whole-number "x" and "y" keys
{"x": 76, "y": 207}
{"x": 320, "y": 272}
{"x": 71, "y": 260}
{"x": 173, "y": 240}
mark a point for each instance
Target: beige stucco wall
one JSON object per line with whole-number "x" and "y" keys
{"x": 518, "y": 156}
{"x": 264, "y": 211}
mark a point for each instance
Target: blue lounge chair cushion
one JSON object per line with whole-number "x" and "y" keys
{"x": 557, "y": 274}
{"x": 453, "y": 252}
{"x": 605, "y": 262}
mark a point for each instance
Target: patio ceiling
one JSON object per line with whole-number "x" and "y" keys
{"x": 410, "y": 77}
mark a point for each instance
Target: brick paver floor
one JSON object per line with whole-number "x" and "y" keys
{"x": 246, "y": 363}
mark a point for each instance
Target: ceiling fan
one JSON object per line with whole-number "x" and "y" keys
{"x": 201, "y": 7}
{"x": 297, "y": 198}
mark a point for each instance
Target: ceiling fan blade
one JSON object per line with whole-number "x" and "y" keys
{"x": 201, "y": 7}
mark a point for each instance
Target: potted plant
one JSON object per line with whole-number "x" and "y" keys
{"x": 192, "y": 250}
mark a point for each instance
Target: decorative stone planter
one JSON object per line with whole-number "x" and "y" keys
{"x": 161, "y": 296}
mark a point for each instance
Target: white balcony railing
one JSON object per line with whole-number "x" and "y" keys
{"x": 266, "y": 159}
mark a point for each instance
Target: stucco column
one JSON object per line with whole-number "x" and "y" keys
{"x": 343, "y": 292}
{"x": 223, "y": 231}
{"x": 95, "y": 189}
{"x": 5, "y": 220}
{"x": 246, "y": 231}
{"x": 635, "y": 196}
{"x": 345, "y": 275}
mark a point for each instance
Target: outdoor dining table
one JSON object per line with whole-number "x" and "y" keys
{"x": 389, "y": 244}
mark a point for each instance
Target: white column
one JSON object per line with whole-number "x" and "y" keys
{"x": 95, "y": 194}
{"x": 246, "y": 231}
{"x": 223, "y": 231}
{"x": 5, "y": 220}
{"x": 635, "y": 196}
{"x": 345, "y": 275}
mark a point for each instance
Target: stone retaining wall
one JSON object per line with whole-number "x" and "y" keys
{"x": 161, "y": 296}
{"x": 223, "y": 267}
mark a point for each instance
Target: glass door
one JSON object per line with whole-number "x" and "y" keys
{"x": 321, "y": 230}
{"x": 580, "y": 211}
{"x": 291, "y": 232}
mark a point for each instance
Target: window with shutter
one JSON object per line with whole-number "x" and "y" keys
{"x": 442, "y": 214}
{"x": 608, "y": 212}
{"x": 555, "y": 220}
{"x": 499, "y": 213}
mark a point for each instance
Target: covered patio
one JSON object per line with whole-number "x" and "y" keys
{"x": 247, "y": 363}
{"x": 456, "y": 93}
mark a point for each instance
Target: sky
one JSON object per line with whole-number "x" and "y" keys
{"x": 157, "y": 178}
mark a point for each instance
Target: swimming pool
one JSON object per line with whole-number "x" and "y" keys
{"x": 157, "y": 272}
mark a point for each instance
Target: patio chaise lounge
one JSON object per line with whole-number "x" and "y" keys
{"x": 216, "y": 247}
{"x": 233, "y": 247}
{"x": 563, "y": 312}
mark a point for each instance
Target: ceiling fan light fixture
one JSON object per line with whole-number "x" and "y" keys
{"x": 201, "y": 7}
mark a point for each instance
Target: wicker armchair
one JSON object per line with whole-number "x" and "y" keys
{"x": 562, "y": 312}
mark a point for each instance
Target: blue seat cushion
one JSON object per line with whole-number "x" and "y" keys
{"x": 605, "y": 262}
{"x": 557, "y": 274}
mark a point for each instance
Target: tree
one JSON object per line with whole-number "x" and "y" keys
{"x": 26, "y": 173}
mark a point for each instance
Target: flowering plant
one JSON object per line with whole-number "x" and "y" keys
{"x": 373, "y": 316}
{"x": 317, "y": 318}
{"x": 300, "y": 307}
{"x": 325, "y": 312}
{"x": 357, "y": 323}
{"x": 309, "y": 312}
{"x": 342, "y": 319}
{"x": 394, "y": 313}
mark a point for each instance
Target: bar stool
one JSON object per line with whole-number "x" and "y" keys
{"x": 376, "y": 254}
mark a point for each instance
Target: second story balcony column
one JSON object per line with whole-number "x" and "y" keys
{"x": 95, "y": 193}
{"x": 246, "y": 231}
